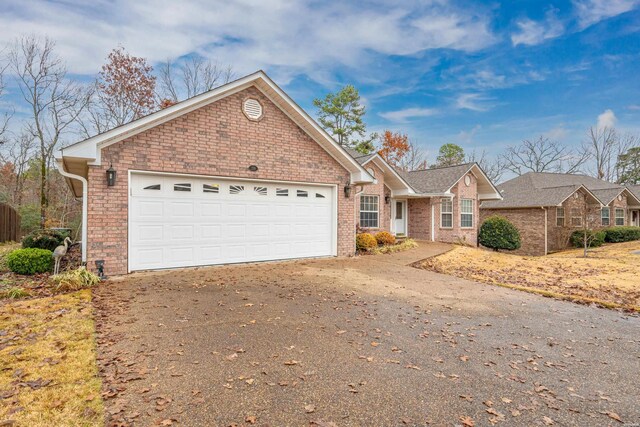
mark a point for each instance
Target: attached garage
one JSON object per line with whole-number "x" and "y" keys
{"x": 237, "y": 174}
{"x": 183, "y": 221}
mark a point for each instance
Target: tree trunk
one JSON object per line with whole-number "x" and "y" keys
{"x": 43, "y": 192}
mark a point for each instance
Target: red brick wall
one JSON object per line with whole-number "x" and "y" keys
{"x": 457, "y": 233}
{"x": 419, "y": 219}
{"x": 530, "y": 224}
{"x": 214, "y": 140}
{"x": 378, "y": 189}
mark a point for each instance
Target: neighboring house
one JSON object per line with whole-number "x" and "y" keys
{"x": 547, "y": 207}
{"x": 237, "y": 174}
{"x": 440, "y": 204}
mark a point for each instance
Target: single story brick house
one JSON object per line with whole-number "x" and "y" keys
{"x": 547, "y": 207}
{"x": 240, "y": 174}
{"x": 437, "y": 204}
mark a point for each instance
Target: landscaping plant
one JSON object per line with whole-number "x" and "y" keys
{"x": 594, "y": 238}
{"x": 43, "y": 239}
{"x": 621, "y": 234}
{"x": 390, "y": 249}
{"x": 497, "y": 233}
{"x": 15, "y": 292}
{"x": 74, "y": 280}
{"x": 385, "y": 238}
{"x": 365, "y": 241}
{"x": 29, "y": 261}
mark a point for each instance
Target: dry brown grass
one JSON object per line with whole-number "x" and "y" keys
{"x": 48, "y": 373}
{"x": 610, "y": 276}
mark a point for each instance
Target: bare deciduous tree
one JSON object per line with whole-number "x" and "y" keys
{"x": 4, "y": 119}
{"x": 193, "y": 77}
{"x": 493, "y": 168}
{"x": 414, "y": 158}
{"x": 601, "y": 143}
{"x": 543, "y": 155}
{"x": 54, "y": 101}
{"x": 18, "y": 153}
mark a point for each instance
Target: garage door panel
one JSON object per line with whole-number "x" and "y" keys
{"x": 221, "y": 221}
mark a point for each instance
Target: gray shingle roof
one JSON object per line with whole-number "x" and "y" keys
{"x": 635, "y": 189}
{"x": 358, "y": 156}
{"x": 437, "y": 180}
{"x": 549, "y": 189}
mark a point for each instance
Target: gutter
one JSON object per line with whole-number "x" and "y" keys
{"x": 85, "y": 187}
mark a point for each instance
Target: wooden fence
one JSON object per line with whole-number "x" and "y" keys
{"x": 9, "y": 224}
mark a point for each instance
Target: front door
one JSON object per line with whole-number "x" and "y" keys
{"x": 400, "y": 217}
{"x": 635, "y": 218}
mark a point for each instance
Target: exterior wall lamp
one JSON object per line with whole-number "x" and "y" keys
{"x": 111, "y": 176}
{"x": 347, "y": 191}
{"x": 253, "y": 168}
{"x": 387, "y": 199}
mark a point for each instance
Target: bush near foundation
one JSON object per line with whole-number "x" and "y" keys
{"x": 365, "y": 241}
{"x": 497, "y": 233}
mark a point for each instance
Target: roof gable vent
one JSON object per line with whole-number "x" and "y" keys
{"x": 252, "y": 109}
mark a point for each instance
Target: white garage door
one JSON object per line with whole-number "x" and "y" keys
{"x": 183, "y": 221}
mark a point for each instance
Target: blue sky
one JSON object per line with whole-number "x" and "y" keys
{"x": 481, "y": 74}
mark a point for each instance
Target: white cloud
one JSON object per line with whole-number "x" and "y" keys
{"x": 473, "y": 102}
{"x": 633, "y": 107}
{"x": 403, "y": 116}
{"x": 466, "y": 137}
{"x": 607, "y": 119}
{"x": 286, "y": 38}
{"x": 593, "y": 11}
{"x": 557, "y": 133}
{"x": 532, "y": 32}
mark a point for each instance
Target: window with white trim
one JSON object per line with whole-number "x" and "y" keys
{"x": 619, "y": 216}
{"x": 446, "y": 213}
{"x": 560, "y": 217}
{"x": 466, "y": 213}
{"x": 576, "y": 217}
{"x": 369, "y": 211}
{"x": 605, "y": 215}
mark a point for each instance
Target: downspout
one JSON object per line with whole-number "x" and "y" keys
{"x": 433, "y": 219}
{"x": 546, "y": 236}
{"x": 85, "y": 186}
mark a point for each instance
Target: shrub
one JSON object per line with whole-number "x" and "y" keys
{"x": 595, "y": 238}
{"x": 74, "y": 280}
{"x": 365, "y": 241}
{"x": 43, "y": 239}
{"x": 30, "y": 261}
{"x": 497, "y": 232}
{"x": 16, "y": 292}
{"x": 385, "y": 238}
{"x": 621, "y": 234}
{"x": 405, "y": 245}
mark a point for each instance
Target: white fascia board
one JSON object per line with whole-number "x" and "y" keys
{"x": 382, "y": 163}
{"x": 489, "y": 196}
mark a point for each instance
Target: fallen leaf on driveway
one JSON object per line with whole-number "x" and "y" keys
{"x": 466, "y": 397}
{"x": 612, "y": 415}
{"x": 309, "y": 409}
{"x": 340, "y": 332}
{"x": 291, "y": 362}
{"x": 250, "y": 419}
{"x": 548, "y": 421}
{"x": 467, "y": 421}
{"x": 374, "y": 344}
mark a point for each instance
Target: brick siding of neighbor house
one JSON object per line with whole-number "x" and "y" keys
{"x": 558, "y": 237}
{"x": 378, "y": 189}
{"x": 458, "y": 234}
{"x": 530, "y": 224}
{"x": 214, "y": 140}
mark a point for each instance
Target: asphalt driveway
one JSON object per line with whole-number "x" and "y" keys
{"x": 368, "y": 341}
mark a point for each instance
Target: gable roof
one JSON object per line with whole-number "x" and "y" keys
{"x": 440, "y": 181}
{"x": 89, "y": 150}
{"x": 393, "y": 179}
{"x": 635, "y": 189}
{"x": 536, "y": 189}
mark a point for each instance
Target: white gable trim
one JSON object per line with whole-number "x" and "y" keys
{"x": 383, "y": 164}
{"x": 482, "y": 196}
{"x": 90, "y": 149}
{"x": 582, "y": 187}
